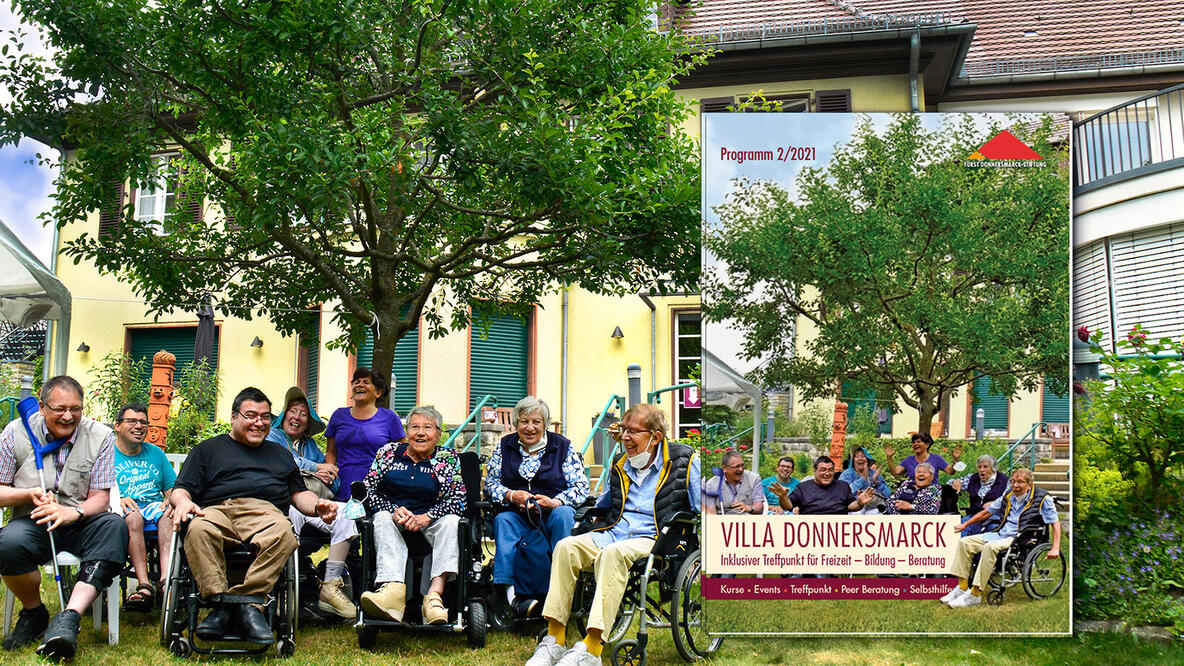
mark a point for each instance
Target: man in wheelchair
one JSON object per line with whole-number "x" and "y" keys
{"x": 1025, "y": 507}
{"x": 651, "y": 481}
{"x": 237, "y": 488}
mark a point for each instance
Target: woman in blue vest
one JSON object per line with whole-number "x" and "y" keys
{"x": 537, "y": 467}
{"x": 984, "y": 486}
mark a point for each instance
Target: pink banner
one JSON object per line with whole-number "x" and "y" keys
{"x": 826, "y": 588}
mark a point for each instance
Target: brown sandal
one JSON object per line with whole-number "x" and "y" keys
{"x": 143, "y": 599}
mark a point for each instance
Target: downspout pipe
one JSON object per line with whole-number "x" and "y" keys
{"x": 563, "y": 369}
{"x": 914, "y": 67}
{"x": 653, "y": 341}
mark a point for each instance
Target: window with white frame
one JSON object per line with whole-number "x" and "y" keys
{"x": 156, "y": 203}
{"x": 687, "y": 360}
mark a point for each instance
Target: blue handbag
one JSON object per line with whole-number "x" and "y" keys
{"x": 532, "y": 557}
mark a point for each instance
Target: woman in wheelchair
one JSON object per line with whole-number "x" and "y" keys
{"x": 414, "y": 487}
{"x": 1025, "y": 508}
{"x": 919, "y": 496}
{"x": 531, "y": 464}
{"x": 985, "y": 485}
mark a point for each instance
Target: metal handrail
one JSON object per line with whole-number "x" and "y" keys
{"x": 736, "y": 436}
{"x": 473, "y": 416}
{"x": 609, "y": 454}
{"x": 615, "y": 400}
{"x": 1010, "y": 453}
{"x": 655, "y": 397}
{"x": 11, "y": 402}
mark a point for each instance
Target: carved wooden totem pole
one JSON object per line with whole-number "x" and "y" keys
{"x": 838, "y": 434}
{"x": 160, "y": 397}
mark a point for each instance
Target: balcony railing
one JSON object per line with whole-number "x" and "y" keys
{"x": 1132, "y": 139}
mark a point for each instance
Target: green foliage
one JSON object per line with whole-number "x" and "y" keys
{"x": 208, "y": 430}
{"x": 1131, "y": 566}
{"x": 1136, "y": 416}
{"x": 1098, "y": 485}
{"x": 813, "y": 421}
{"x": 197, "y": 388}
{"x": 38, "y": 374}
{"x": 404, "y": 159}
{"x": 918, "y": 273}
{"x": 10, "y": 387}
{"x": 115, "y": 381}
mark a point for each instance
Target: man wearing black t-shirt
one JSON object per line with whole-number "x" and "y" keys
{"x": 238, "y": 488}
{"x": 823, "y": 495}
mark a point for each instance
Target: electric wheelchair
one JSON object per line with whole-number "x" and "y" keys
{"x": 462, "y": 596}
{"x": 1024, "y": 563}
{"x": 182, "y": 603}
{"x": 663, "y": 591}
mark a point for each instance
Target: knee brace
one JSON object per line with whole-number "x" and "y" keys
{"x": 98, "y": 573}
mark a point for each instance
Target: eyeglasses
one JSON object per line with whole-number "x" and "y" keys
{"x": 266, "y": 417}
{"x": 738, "y": 465}
{"x": 634, "y": 432}
{"x": 76, "y": 411}
{"x": 140, "y": 422}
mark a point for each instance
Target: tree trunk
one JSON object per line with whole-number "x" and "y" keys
{"x": 927, "y": 406}
{"x": 391, "y": 330}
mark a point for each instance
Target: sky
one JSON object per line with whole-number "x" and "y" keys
{"x": 25, "y": 186}
{"x": 769, "y": 132}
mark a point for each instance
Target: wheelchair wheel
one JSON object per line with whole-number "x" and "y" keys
{"x": 627, "y": 653}
{"x": 171, "y": 599}
{"x": 180, "y": 647}
{"x": 1042, "y": 577}
{"x": 291, "y": 601}
{"x": 367, "y": 637}
{"x": 285, "y": 648}
{"x": 476, "y": 627}
{"x": 621, "y": 624}
{"x": 995, "y": 597}
{"x": 690, "y": 638}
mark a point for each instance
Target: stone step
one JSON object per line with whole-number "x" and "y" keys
{"x": 1052, "y": 467}
{"x": 1055, "y": 487}
{"x": 1041, "y": 477}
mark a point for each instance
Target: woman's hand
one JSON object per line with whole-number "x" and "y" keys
{"x": 902, "y": 505}
{"x": 519, "y": 497}
{"x": 546, "y": 502}
{"x": 417, "y": 522}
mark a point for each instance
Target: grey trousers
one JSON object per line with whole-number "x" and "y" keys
{"x": 391, "y": 549}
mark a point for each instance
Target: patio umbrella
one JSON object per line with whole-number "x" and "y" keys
{"x": 203, "y": 341}
{"x": 30, "y": 292}
{"x": 724, "y": 386}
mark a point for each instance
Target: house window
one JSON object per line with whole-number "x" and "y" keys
{"x": 156, "y": 203}
{"x": 687, "y": 360}
{"x": 499, "y": 361}
{"x": 995, "y": 407}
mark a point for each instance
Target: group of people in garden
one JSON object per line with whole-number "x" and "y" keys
{"x": 267, "y": 479}
{"x": 999, "y": 506}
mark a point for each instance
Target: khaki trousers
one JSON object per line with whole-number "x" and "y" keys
{"x": 968, "y": 547}
{"x": 610, "y": 566}
{"x": 233, "y": 522}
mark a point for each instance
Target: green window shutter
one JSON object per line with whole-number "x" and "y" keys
{"x": 498, "y": 360}
{"x": 314, "y": 364}
{"x": 864, "y": 403}
{"x": 405, "y": 370}
{"x": 177, "y": 340}
{"x": 1053, "y": 407}
{"x": 995, "y": 407}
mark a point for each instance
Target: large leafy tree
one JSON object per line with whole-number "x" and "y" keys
{"x": 405, "y": 159}
{"x": 914, "y": 273}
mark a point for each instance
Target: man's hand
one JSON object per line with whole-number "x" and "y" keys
{"x": 546, "y": 502}
{"x": 865, "y": 496}
{"x": 889, "y": 451}
{"x": 417, "y": 522}
{"x": 37, "y": 496}
{"x": 182, "y": 510}
{"x": 1053, "y": 554}
{"x": 778, "y": 489}
{"x": 327, "y": 510}
{"x": 129, "y": 505}
{"x": 960, "y": 527}
{"x": 53, "y": 515}
{"x": 741, "y": 506}
{"x": 776, "y": 510}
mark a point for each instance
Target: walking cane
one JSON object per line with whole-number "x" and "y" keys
{"x": 26, "y": 408}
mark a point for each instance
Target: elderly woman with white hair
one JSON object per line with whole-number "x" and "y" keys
{"x": 984, "y": 485}
{"x": 531, "y": 468}
{"x": 919, "y": 495}
{"x": 414, "y": 486}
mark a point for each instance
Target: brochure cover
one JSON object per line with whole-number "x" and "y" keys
{"x": 886, "y": 442}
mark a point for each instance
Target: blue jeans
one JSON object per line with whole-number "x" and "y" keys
{"x": 509, "y": 527}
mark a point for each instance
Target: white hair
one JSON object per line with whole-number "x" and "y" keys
{"x": 429, "y": 412}
{"x": 530, "y": 405}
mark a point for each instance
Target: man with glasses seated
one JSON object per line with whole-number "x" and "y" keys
{"x": 145, "y": 479}
{"x": 79, "y": 472}
{"x": 238, "y": 488}
{"x": 735, "y": 491}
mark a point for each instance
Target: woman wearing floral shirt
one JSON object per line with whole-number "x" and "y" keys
{"x": 920, "y": 496}
{"x": 414, "y": 487}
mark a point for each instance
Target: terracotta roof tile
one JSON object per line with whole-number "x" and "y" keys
{"x": 1076, "y": 32}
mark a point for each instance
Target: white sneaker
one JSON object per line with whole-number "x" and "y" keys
{"x": 547, "y": 653}
{"x": 578, "y": 656}
{"x": 965, "y": 600}
{"x": 953, "y": 594}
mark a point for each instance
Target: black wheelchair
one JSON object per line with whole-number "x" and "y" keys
{"x": 673, "y": 601}
{"x": 462, "y": 597}
{"x": 182, "y": 604}
{"x": 1024, "y": 563}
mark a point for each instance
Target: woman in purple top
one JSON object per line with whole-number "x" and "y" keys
{"x": 921, "y": 443}
{"x": 356, "y": 433}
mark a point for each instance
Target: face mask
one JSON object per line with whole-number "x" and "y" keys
{"x": 537, "y": 446}
{"x": 638, "y": 461}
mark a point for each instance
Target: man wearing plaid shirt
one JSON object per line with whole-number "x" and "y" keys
{"x": 78, "y": 476}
